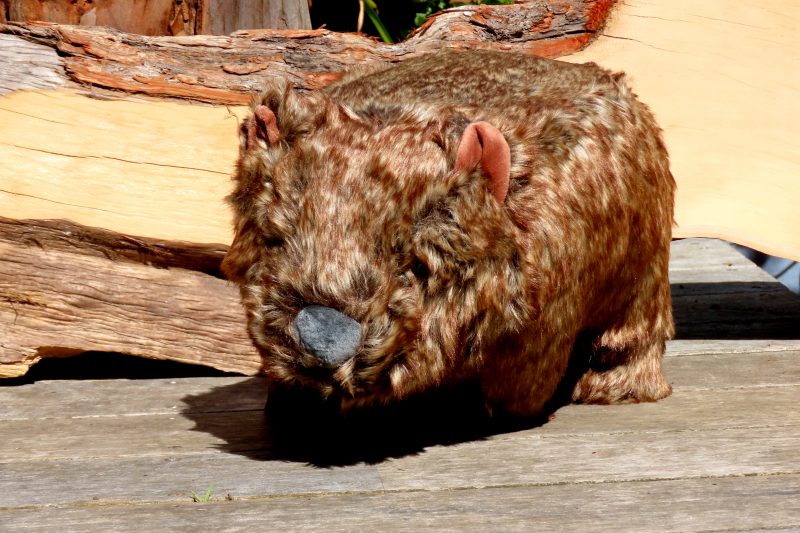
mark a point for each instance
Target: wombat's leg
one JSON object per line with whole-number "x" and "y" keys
{"x": 626, "y": 364}
{"x": 631, "y": 374}
{"x": 520, "y": 379}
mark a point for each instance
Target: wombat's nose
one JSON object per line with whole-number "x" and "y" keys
{"x": 332, "y": 337}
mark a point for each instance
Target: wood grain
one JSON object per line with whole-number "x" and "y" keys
{"x": 163, "y": 17}
{"x": 763, "y": 503}
{"x": 729, "y": 115}
{"x": 69, "y": 237}
{"x": 65, "y": 289}
{"x": 167, "y": 180}
{"x": 610, "y": 457}
{"x": 221, "y": 17}
{"x": 28, "y": 65}
{"x": 248, "y": 432}
{"x": 227, "y": 70}
{"x": 682, "y": 347}
{"x": 171, "y": 475}
{"x": 720, "y": 454}
{"x": 722, "y": 79}
{"x": 734, "y": 370}
{"x": 729, "y": 430}
{"x": 50, "y": 399}
{"x": 58, "y": 297}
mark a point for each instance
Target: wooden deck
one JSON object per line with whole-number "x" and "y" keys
{"x": 722, "y": 453}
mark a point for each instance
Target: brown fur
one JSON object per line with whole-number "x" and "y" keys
{"x": 357, "y": 205}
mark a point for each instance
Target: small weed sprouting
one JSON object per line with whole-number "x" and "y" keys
{"x": 205, "y": 498}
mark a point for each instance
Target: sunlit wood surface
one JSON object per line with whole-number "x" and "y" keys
{"x": 720, "y": 454}
{"x": 723, "y": 79}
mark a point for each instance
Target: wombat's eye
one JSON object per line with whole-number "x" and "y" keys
{"x": 273, "y": 242}
{"x": 420, "y": 270}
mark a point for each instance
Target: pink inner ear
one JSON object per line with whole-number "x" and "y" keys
{"x": 483, "y": 144}
{"x": 263, "y": 125}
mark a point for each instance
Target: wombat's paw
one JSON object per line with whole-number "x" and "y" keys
{"x": 620, "y": 385}
{"x": 638, "y": 379}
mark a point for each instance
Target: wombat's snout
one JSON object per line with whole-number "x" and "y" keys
{"x": 330, "y": 336}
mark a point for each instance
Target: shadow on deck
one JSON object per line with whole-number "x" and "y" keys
{"x": 299, "y": 427}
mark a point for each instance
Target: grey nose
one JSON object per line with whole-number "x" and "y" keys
{"x": 332, "y": 337}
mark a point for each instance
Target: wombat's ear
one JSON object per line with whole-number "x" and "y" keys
{"x": 263, "y": 125}
{"x": 483, "y": 144}
{"x": 281, "y": 114}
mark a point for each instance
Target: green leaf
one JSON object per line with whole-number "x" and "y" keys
{"x": 371, "y": 10}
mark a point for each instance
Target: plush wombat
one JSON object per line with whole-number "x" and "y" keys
{"x": 460, "y": 216}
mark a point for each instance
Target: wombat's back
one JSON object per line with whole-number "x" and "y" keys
{"x": 486, "y": 79}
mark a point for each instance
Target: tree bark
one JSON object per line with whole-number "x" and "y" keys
{"x": 163, "y": 17}
{"x": 228, "y": 70}
{"x": 221, "y": 17}
{"x": 66, "y": 289}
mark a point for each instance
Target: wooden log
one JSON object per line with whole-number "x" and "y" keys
{"x": 54, "y": 159}
{"x": 732, "y": 155}
{"x": 227, "y": 70}
{"x": 722, "y": 79}
{"x": 163, "y": 17}
{"x": 221, "y": 17}
{"x": 158, "y": 170}
{"x": 148, "y": 17}
{"x": 65, "y": 289}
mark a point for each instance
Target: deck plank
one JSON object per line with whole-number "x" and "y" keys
{"x": 733, "y": 370}
{"x": 702, "y": 504}
{"x": 170, "y": 477}
{"x": 152, "y": 458}
{"x": 122, "y": 397}
{"x": 724, "y": 304}
{"x": 533, "y": 459}
{"x": 711, "y": 261}
{"x": 248, "y": 431}
{"x": 95, "y": 398}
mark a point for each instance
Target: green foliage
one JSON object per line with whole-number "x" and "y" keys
{"x": 429, "y": 7}
{"x": 421, "y": 9}
{"x": 372, "y": 12}
{"x": 432, "y": 6}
